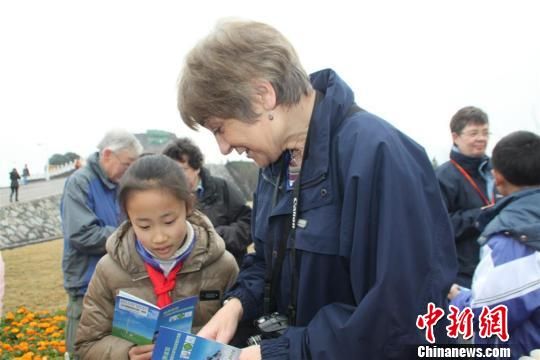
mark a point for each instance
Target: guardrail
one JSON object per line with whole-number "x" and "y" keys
{"x": 55, "y": 171}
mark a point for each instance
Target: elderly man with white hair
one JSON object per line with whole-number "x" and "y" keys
{"x": 90, "y": 213}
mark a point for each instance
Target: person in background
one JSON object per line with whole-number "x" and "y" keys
{"x": 467, "y": 185}
{"x": 90, "y": 213}
{"x": 14, "y": 185}
{"x": 509, "y": 272}
{"x": 25, "y": 174}
{"x": 77, "y": 164}
{"x": 220, "y": 201}
{"x": 163, "y": 241}
{"x": 352, "y": 240}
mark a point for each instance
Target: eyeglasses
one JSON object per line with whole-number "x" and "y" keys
{"x": 125, "y": 164}
{"x": 476, "y": 133}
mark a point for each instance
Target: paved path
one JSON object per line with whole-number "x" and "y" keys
{"x": 34, "y": 190}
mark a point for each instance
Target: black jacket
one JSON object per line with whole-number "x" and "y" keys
{"x": 464, "y": 205}
{"x": 228, "y": 212}
{"x": 14, "y": 177}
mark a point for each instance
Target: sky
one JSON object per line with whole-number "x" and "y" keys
{"x": 71, "y": 70}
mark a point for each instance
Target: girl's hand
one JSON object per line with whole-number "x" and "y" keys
{"x": 222, "y": 326}
{"x": 141, "y": 352}
{"x": 251, "y": 353}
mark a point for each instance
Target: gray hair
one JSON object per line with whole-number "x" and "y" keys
{"x": 118, "y": 139}
{"x": 218, "y": 76}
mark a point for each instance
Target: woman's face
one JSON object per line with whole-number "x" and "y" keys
{"x": 255, "y": 139}
{"x": 159, "y": 220}
{"x": 472, "y": 140}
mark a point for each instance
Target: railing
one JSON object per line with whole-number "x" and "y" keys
{"x": 54, "y": 170}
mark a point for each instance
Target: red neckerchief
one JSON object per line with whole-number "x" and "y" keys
{"x": 472, "y": 182}
{"x": 163, "y": 285}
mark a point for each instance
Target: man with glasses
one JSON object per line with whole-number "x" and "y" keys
{"x": 90, "y": 213}
{"x": 467, "y": 185}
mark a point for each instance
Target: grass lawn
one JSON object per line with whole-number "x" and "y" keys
{"x": 34, "y": 277}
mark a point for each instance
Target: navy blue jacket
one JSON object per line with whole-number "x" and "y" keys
{"x": 375, "y": 245}
{"x": 464, "y": 206}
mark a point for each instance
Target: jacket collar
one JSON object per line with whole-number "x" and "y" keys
{"x": 93, "y": 162}
{"x": 473, "y": 165}
{"x": 208, "y": 247}
{"x": 208, "y": 185}
{"x": 335, "y": 102}
{"x": 516, "y": 215}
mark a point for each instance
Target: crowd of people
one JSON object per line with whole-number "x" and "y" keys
{"x": 354, "y": 233}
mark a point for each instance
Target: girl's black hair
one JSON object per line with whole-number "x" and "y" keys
{"x": 154, "y": 172}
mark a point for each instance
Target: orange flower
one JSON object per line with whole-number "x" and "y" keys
{"x": 22, "y": 310}
{"x": 51, "y": 329}
{"x": 33, "y": 336}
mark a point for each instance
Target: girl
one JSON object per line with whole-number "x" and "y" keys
{"x": 162, "y": 253}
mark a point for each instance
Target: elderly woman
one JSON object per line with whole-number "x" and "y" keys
{"x": 352, "y": 240}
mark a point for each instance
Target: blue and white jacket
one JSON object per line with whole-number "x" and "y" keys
{"x": 374, "y": 245}
{"x": 90, "y": 214}
{"x": 509, "y": 271}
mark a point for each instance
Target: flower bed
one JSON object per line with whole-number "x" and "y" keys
{"x": 32, "y": 335}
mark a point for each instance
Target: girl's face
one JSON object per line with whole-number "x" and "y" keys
{"x": 159, "y": 220}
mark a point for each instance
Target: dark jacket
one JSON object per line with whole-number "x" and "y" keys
{"x": 14, "y": 177}
{"x": 228, "y": 212}
{"x": 90, "y": 213}
{"x": 509, "y": 272}
{"x": 464, "y": 205}
{"x": 374, "y": 246}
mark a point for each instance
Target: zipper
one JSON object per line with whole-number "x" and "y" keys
{"x": 313, "y": 182}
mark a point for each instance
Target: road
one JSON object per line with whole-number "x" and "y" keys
{"x": 34, "y": 190}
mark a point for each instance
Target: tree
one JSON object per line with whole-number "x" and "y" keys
{"x": 59, "y": 159}
{"x": 72, "y": 156}
{"x": 434, "y": 163}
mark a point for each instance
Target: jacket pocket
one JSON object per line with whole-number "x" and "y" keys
{"x": 318, "y": 230}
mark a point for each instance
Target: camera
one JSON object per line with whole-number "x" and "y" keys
{"x": 268, "y": 326}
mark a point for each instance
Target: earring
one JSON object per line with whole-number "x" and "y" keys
{"x": 270, "y": 116}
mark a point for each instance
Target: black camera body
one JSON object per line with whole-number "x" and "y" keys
{"x": 269, "y": 327}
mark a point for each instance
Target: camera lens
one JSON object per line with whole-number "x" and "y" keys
{"x": 254, "y": 340}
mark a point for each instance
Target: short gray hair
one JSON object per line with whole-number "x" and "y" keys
{"x": 118, "y": 139}
{"x": 218, "y": 76}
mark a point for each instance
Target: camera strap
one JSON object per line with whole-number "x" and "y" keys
{"x": 273, "y": 273}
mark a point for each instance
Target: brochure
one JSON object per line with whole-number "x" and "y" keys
{"x": 177, "y": 344}
{"x": 138, "y": 321}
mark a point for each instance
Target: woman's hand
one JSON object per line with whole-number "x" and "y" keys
{"x": 251, "y": 353}
{"x": 222, "y": 326}
{"x": 454, "y": 291}
{"x": 141, "y": 352}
